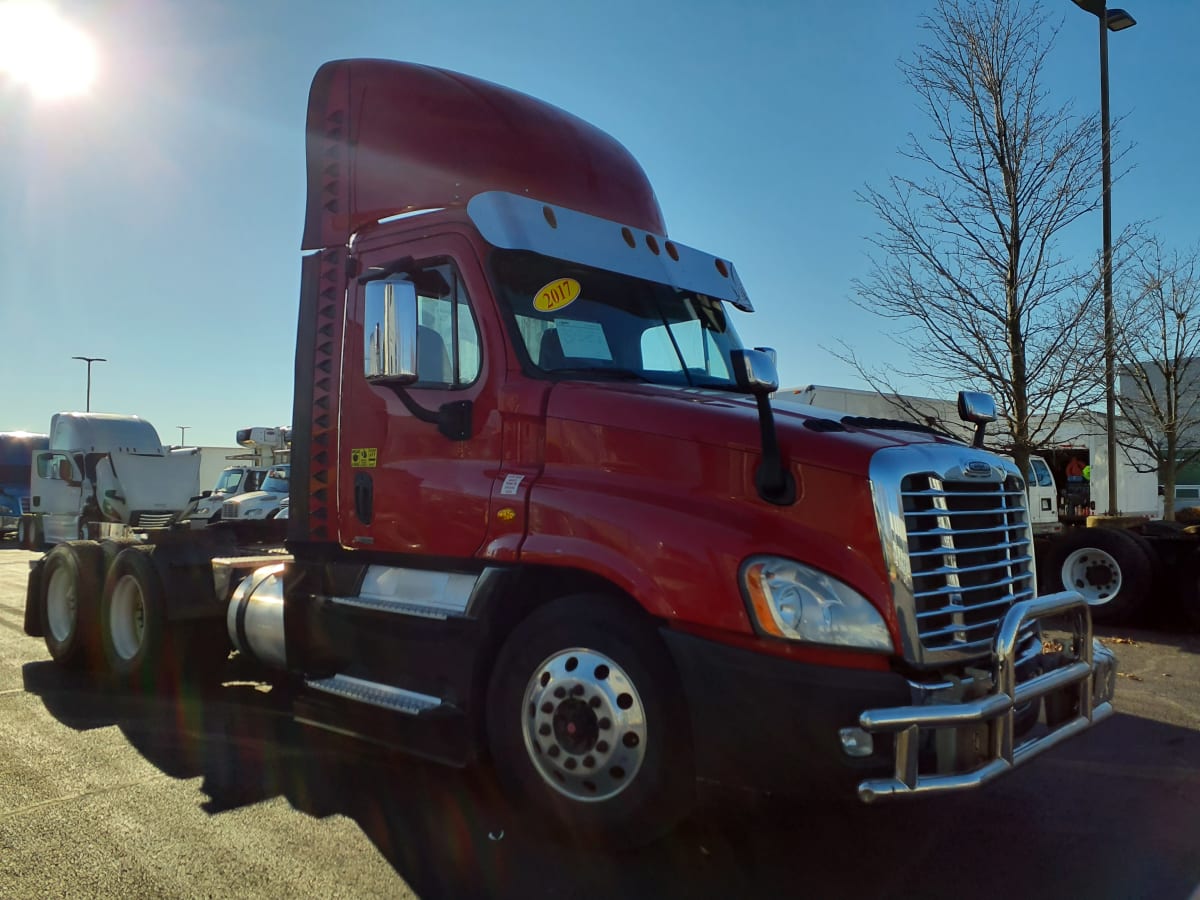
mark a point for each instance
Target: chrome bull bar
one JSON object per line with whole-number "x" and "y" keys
{"x": 1089, "y": 678}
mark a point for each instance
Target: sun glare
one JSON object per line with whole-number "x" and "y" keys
{"x": 43, "y": 51}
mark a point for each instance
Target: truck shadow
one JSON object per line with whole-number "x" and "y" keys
{"x": 449, "y": 834}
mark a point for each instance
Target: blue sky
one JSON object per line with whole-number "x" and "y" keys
{"x": 156, "y": 222}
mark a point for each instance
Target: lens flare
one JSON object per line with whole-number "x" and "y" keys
{"x": 42, "y": 51}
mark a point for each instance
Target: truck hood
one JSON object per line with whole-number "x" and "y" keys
{"x": 255, "y": 498}
{"x": 809, "y": 436}
{"x": 129, "y": 482}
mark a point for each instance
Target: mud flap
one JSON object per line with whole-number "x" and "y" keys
{"x": 33, "y": 599}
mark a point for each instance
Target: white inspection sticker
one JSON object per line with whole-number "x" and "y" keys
{"x": 510, "y": 485}
{"x": 583, "y": 340}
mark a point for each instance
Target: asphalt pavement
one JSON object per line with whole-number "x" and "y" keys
{"x": 216, "y": 793}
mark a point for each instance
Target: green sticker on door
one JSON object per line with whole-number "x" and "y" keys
{"x": 363, "y": 457}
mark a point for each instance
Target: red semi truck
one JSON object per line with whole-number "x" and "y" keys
{"x": 543, "y": 512}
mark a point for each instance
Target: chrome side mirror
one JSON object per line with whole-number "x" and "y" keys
{"x": 390, "y": 332}
{"x": 754, "y": 371}
{"x": 978, "y": 409}
{"x": 770, "y": 351}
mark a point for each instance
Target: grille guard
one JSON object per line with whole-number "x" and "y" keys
{"x": 1089, "y": 678}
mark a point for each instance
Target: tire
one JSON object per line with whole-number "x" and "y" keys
{"x": 22, "y": 537}
{"x": 1108, "y": 567}
{"x": 133, "y": 621}
{"x": 70, "y": 596}
{"x": 1188, "y": 588}
{"x": 573, "y": 672}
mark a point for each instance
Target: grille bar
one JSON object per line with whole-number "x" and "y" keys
{"x": 970, "y": 557}
{"x": 1003, "y": 601}
{"x": 940, "y": 532}
{"x": 944, "y": 571}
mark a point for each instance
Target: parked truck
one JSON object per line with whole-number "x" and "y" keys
{"x": 543, "y": 513}
{"x": 106, "y": 475}
{"x": 261, "y": 447}
{"x": 16, "y": 456}
{"x": 1123, "y": 565}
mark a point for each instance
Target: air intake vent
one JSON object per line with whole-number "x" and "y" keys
{"x": 970, "y": 558}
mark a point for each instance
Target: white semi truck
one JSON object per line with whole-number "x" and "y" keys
{"x": 267, "y": 448}
{"x": 106, "y": 475}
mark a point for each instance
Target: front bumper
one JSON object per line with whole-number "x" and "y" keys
{"x": 1078, "y": 693}
{"x": 773, "y": 724}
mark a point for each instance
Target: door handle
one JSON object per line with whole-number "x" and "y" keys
{"x": 364, "y": 497}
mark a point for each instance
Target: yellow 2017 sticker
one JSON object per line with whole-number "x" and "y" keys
{"x": 556, "y": 295}
{"x": 364, "y": 457}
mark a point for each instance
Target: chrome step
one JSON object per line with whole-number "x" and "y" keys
{"x": 389, "y": 605}
{"x": 375, "y": 694}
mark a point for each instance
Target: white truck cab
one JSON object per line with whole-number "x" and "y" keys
{"x": 1043, "y": 497}
{"x": 233, "y": 482}
{"x": 108, "y": 473}
{"x": 264, "y": 503}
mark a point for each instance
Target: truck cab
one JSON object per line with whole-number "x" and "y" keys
{"x": 233, "y": 481}
{"x": 107, "y": 473}
{"x": 542, "y": 511}
{"x": 16, "y": 455}
{"x": 261, "y": 503}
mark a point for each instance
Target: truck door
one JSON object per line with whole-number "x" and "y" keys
{"x": 56, "y": 493}
{"x": 407, "y": 484}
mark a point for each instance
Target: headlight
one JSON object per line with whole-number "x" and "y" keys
{"x": 792, "y": 601}
{"x": 256, "y": 513}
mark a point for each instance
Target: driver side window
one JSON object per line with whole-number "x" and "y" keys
{"x": 448, "y": 349}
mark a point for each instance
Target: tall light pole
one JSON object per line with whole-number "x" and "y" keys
{"x": 89, "y": 360}
{"x": 1110, "y": 20}
{"x": 182, "y": 432}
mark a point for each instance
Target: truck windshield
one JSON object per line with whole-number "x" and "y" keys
{"x": 276, "y": 481}
{"x": 229, "y": 481}
{"x": 573, "y": 320}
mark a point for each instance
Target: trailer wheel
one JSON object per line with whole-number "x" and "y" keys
{"x": 70, "y": 596}
{"x": 133, "y": 620}
{"x": 1108, "y": 567}
{"x": 1189, "y": 588}
{"x": 587, "y": 726}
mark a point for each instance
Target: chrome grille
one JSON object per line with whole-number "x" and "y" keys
{"x": 970, "y": 557}
{"x": 152, "y": 519}
{"x": 229, "y": 510}
{"x": 25, "y": 506}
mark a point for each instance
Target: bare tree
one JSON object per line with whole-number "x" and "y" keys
{"x": 1158, "y": 335}
{"x": 969, "y": 258}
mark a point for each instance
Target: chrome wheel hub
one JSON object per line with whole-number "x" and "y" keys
{"x": 584, "y": 725}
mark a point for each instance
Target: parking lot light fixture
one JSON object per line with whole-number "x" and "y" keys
{"x": 89, "y": 360}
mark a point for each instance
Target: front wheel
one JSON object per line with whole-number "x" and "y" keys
{"x": 586, "y": 723}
